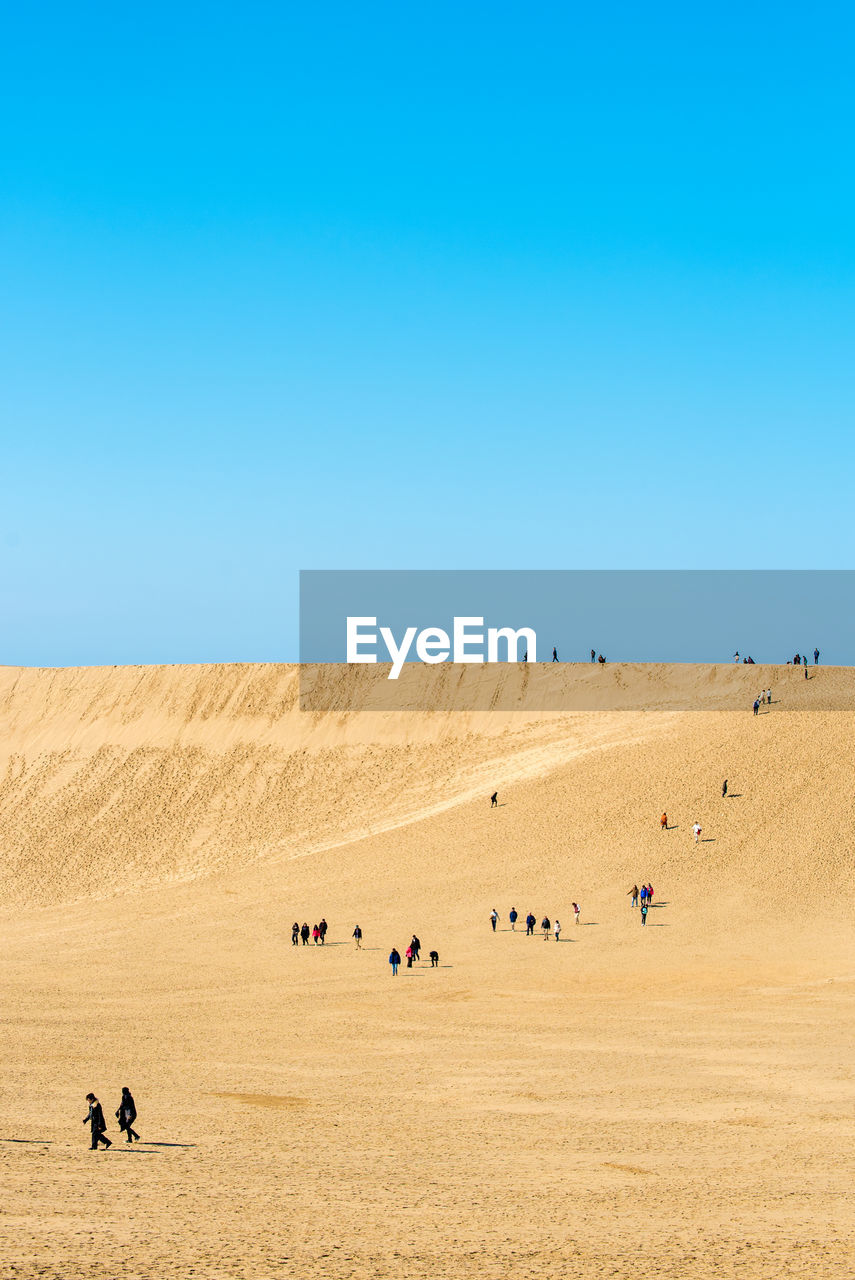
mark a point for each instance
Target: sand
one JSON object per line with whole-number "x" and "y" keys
{"x": 673, "y": 1101}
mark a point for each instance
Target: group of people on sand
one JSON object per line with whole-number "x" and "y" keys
{"x": 642, "y": 897}
{"x": 764, "y": 698}
{"x": 548, "y": 927}
{"x": 412, "y": 954}
{"x": 797, "y": 660}
{"x": 555, "y": 658}
{"x": 318, "y": 933}
{"x": 126, "y": 1115}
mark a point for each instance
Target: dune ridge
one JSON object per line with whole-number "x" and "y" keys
{"x": 116, "y": 778}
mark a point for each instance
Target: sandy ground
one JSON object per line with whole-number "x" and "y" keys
{"x": 673, "y": 1101}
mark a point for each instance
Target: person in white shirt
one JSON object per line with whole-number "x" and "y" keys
{"x": 697, "y": 830}
{"x": 557, "y": 928}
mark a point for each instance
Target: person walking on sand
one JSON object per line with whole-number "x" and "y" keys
{"x": 512, "y": 916}
{"x": 409, "y": 954}
{"x": 322, "y": 930}
{"x": 816, "y": 657}
{"x": 697, "y": 831}
{"x": 316, "y": 934}
{"x": 724, "y": 789}
{"x": 593, "y": 656}
{"x": 643, "y": 894}
{"x": 304, "y": 934}
{"x": 545, "y": 926}
{"x": 494, "y": 800}
{"x": 554, "y": 655}
{"x": 295, "y": 934}
{"x": 97, "y": 1123}
{"x": 663, "y": 822}
{"x": 530, "y": 922}
{"x": 556, "y": 929}
{"x": 494, "y": 918}
{"x": 127, "y": 1114}
{"x": 357, "y": 934}
{"x": 632, "y": 894}
{"x": 650, "y": 895}
{"x": 577, "y": 911}
{"x": 756, "y": 705}
{"x": 416, "y": 945}
{"x": 769, "y": 696}
{"x": 394, "y": 960}
{"x": 644, "y": 914}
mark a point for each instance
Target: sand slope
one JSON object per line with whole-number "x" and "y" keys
{"x": 677, "y": 1097}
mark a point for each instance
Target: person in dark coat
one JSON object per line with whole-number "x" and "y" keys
{"x": 295, "y": 934}
{"x": 416, "y": 945}
{"x": 127, "y": 1114}
{"x": 394, "y": 960}
{"x": 97, "y": 1123}
{"x": 304, "y": 934}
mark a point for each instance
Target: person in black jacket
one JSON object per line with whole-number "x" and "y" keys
{"x": 97, "y": 1124}
{"x": 127, "y": 1114}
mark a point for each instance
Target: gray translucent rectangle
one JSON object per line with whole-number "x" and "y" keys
{"x": 654, "y": 628}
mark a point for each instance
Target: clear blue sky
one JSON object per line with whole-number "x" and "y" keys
{"x": 386, "y": 286}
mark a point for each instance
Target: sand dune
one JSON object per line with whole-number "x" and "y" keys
{"x": 677, "y": 1097}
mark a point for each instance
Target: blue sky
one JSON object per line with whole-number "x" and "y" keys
{"x": 478, "y": 286}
